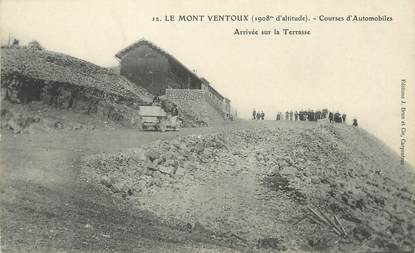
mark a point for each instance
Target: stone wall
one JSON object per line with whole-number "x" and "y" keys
{"x": 187, "y": 94}
{"x": 196, "y": 102}
{"x": 215, "y": 102}
{"x": 196, "y": 95}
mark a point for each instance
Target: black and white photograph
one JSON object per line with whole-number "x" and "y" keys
{"x": 207, "y": 126}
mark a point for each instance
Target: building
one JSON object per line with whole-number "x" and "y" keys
{"x": 149, "y": 66}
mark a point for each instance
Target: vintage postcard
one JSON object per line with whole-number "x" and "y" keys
{"x": 207, "y": 126}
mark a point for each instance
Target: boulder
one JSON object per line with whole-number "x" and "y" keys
{"x": 151, "y": 166}
{"x": 106, "y": 181}
{"x": 152, "y": 155}
{"x": 166, "y": 170}
{"x": 139, "y": 155}
{"x": 58, "y": 125}
{"x": 180, "y": 171}
{"x": 118, "y": 187}
{"x": 315, "y": 180}
{"x": 189, "y": 166}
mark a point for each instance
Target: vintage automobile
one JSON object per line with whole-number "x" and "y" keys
{"x": 154, "y": 117}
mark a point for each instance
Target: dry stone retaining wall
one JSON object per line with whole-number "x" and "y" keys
{"x": 196, "y": 102}
{"x": 188, "y": 94}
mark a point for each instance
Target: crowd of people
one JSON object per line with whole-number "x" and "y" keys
{"x": 307, "y": 115}
{"x": 258, "y": 115}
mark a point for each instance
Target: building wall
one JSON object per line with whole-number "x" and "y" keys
{"x": 226, "y": 104}
{"x": 197, "y": 95}
{"x": 187, "y": 94}
{"x": 195, "y": 102}
{"x": 146, "y": 67}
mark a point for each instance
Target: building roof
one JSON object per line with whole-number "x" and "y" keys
{"x": 141, "y": 42}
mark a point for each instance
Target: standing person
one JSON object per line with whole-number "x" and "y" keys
{"x": 355, "y": 122}
{"x": 15, "y": 42}
{"x": 291, "y": 115}
{"x": 296, "y": 115}
{"x": 156, "y": 100}
{"x": 337, "y": 117}
{"x": 344, "y": 117}
{"x": 253, "y": 114}
{"x": 330, "y": 117}
{"x": 174, "y": 115}
{"x": 312, "y": 115}
{"x": 324, "y": 113}
{"x": 318, "y": 115}
{"x": 287, "y": 115}
{"x": 258, "y": 115}
{"x": 262, "y": 115}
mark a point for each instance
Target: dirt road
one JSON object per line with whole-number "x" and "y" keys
{"x": 46, "y": 208}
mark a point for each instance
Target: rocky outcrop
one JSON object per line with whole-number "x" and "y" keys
{"x": 32, "y": 75}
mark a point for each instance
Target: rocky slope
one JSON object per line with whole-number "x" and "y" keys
{"x": 43, "y": 90}
{"x": 302, "y": 186}
{"x": 39, "y": 85}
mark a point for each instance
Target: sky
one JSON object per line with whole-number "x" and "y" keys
{"x": 355, "y": 68}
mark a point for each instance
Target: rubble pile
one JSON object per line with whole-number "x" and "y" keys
{"x": 161, "y": 164}
{"x": 265, "y": 187}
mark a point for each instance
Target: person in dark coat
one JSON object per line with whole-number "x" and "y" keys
{"x": 254, "y": 114}
{"x": 262, "y": 115}
{"x": 311, "y": 116}
{"x": 344, "y": 118}
{"x": 337, "y": 117}
{"x": 330, "y": 117}
{"x": 324, "y": 113}
{"x": 258, "y": 115}
{"x": 355, "y": 123}
{"x": 15, "y": 42}
{"x": 156, "y": 100}
{"x": 318, "y": 115}
{"x": 174, "y": 115}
